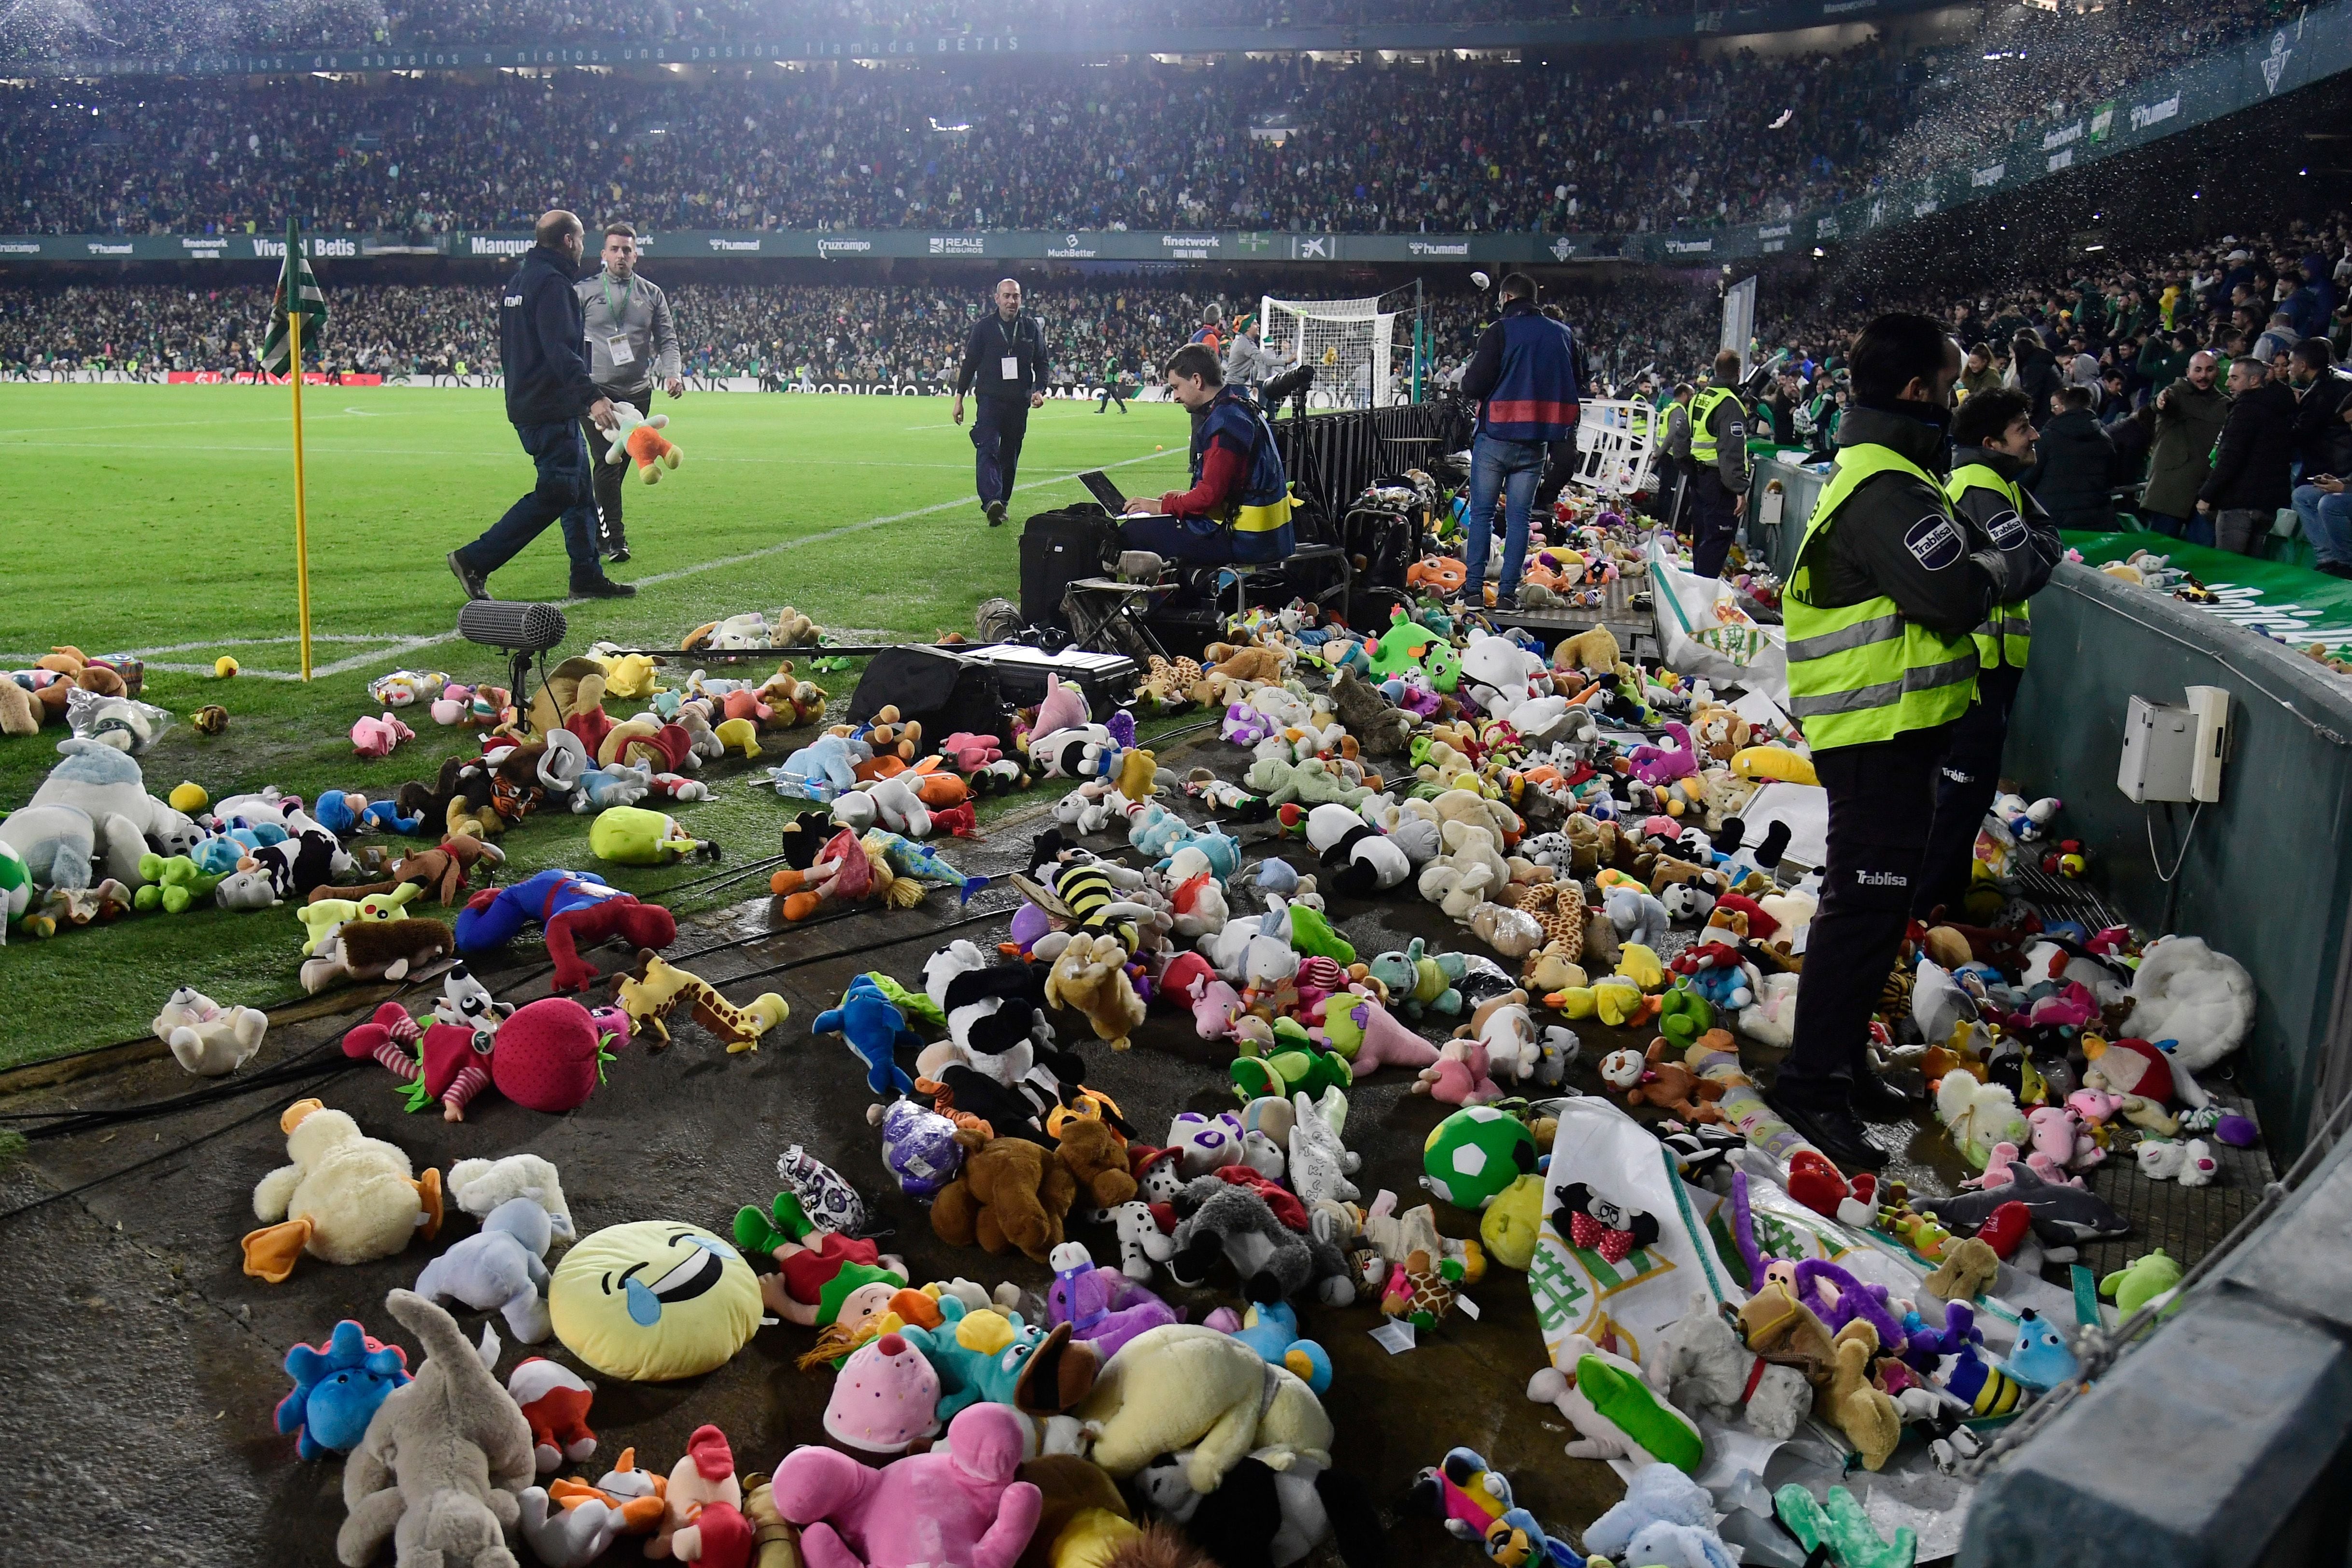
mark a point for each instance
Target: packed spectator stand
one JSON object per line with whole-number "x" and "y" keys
{"x": 1613, "y": 145}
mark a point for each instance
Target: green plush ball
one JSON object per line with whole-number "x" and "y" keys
{"x": 1475, "y": 1154}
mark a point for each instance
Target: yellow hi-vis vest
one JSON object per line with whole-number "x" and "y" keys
{"x": 2007, "y": 635}
{"x": 1703, "y": 445}
{"x": 1864, "y": 672}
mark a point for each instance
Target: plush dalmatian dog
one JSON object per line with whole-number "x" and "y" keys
{"x": 1141, "y": 1242}
{"x": 829, "y": 1202}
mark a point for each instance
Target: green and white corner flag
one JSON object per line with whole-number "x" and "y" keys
{"x": 298, "y": 288}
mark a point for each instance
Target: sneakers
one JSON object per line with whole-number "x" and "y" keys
{"x": 1834, "y": 1131}
{"x": 601, "y": 588}
{"x": 1875, "y": 1100}
{"x": 995, "y": 511}
{"x": 616, "y": 553}
{"x": 2335, "y": 568}
{"x": 476, "y": 586}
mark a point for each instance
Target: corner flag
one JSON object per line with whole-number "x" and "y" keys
{"x": 297, "y": 290}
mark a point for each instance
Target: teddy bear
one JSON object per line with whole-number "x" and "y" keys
{"x": 345, "y": 1198}
{"x": 1089, "y": 975}
{"x": 958, "y": 1506}
{"x": 1657, "y": 1080}
{"x": 1096, "y": 1158}
{"x": 1593, "y": 650}
{"x": 1459, "y": 1076}
{"x": 206, "y": 1038}
{"x": 1012, "y": 1194}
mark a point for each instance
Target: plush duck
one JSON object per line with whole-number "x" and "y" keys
{"x": 346, "y": 1198}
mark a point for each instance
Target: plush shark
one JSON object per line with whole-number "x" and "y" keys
{"x": 2060, "y": 1215}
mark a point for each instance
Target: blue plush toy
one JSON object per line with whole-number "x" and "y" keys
{"x": 1156, "y": 830}
{"x": 874, "y": 1026}
{"x": 601, "y": 789}
{"x": 2040, "y": 1359}
{"x": 1272, "y": 1330}
{"x": 337, "y": 1387}
{"x": 979, "y": 1355}
{"x": 826, "y": 761}
{"x": 346, "y": 812}
{"x": 1221, "y": 849}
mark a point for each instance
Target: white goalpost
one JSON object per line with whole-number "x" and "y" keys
{"x": 1349, "y": 342}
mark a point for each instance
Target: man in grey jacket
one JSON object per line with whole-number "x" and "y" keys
{"x": 632, "y": 344}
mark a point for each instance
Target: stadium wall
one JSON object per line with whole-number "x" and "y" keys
{"x": 2296, "y": 55}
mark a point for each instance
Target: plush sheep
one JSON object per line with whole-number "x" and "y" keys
{"x": 479, "y": 1186}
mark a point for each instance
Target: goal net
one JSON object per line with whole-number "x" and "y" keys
{"x": 1349, "y": 342}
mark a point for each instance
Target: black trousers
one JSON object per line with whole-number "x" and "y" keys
{"x": 1669, "y": 481}
{"x": 607, "y": 477}
{"x": 1111, "y": 395}
{"x": 1882, "y": 796}
{"x": 1559, "y": 466}
{"x": 1714, "y": 521}
{"x": 1969, "y": 778}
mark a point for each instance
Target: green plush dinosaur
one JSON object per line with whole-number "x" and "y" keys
{"x": 1844, "y": 1528}
{"x": 2142, "y": 1280}
{"x": 172, "y": 883}
{"x": 1682, "y": 1014}
{"x": 1311, "y": 934}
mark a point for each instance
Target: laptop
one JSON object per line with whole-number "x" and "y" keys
{"x": 1099, "y": 485}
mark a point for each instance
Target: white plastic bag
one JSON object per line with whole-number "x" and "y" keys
{"x": 1702, "y": 631}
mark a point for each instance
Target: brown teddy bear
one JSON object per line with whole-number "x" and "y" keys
{"x": 1595, "y": 650}
{"x": 1012, "y": 1194}
{"x": 1098, "y": 1160}
{"x": 790, "y": 700}
{"x": 1718, "y": 732}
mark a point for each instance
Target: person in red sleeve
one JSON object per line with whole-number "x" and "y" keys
{"x": 1238, "y": 509}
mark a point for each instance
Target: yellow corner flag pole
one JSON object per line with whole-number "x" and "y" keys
{"x": 301, "y": 519}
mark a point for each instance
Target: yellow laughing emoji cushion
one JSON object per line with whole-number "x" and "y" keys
{"x": 654, "y": 1300}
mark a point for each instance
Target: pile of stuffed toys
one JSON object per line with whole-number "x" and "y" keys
{"x": 1579, "y": 818}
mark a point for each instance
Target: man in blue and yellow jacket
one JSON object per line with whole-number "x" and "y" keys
{"x": 1524, "y": 377}
{"x": 1238, "y": 509}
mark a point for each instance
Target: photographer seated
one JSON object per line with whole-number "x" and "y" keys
{"x": 1238, "y": 509}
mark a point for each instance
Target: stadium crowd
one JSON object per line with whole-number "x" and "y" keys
{"x": 1675, "y": 140}
{"x": 2134, "y": 320}
{"x": 57, "y": 28}
{"x": 786, "y": 333}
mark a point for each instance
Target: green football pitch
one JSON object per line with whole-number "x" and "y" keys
{"x": 158, "y": 521}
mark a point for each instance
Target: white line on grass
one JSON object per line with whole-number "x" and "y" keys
{"x": 414, "y": 644}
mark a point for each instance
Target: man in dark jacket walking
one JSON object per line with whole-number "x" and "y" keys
{"x": 2250, "y": 480}
{"x": 1523, "y": 377}
{"x": 1004, "y": 360}
{"x": 542, "y": 345}
{"x": 2074, "y": 479}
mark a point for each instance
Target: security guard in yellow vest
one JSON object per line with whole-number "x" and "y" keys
{"x": 1992, "y": 439}
{"x": 1718, "y": 467}
{"x": 1887, "y": 588}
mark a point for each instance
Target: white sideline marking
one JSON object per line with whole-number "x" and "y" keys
{"x": 386, "y": 648}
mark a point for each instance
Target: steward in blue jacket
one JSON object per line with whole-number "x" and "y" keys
{"x": 1239, "y": 507}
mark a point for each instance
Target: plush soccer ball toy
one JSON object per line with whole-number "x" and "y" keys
{"x": 1475, "y": 1154}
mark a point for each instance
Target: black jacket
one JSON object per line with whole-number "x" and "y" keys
{"x": 989, "y": 343}
{"x": 542, "y": 346}
{"x": 2038, "y": 378}
{"x": 2075, "y": 476}
{"x": 1892, "y": 537}
{"x": 2029, "y": 544}
{"x": 2322, "y": 442}
{"x": 2249, "y": 465}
